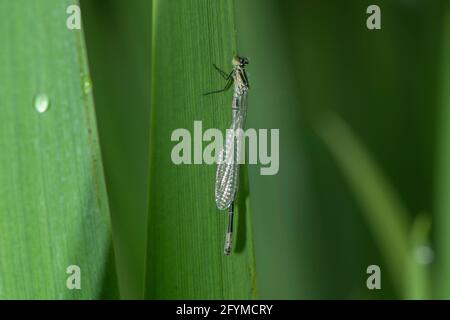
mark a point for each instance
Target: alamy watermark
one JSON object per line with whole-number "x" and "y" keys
{"x": 374, "y": 279}
{"x": 373, "y": 22}
{"x": 74, "y": 279}
{"x": 189, "y": 148}
{"x": 73, "y": 21}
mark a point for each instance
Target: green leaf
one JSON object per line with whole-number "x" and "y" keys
{"x": 53, "y": 209}
{"x": 122, "y": 97}
{"x": 383, "y": 208}
{"x": 419, "y": 284}
{"x": 186, "y": 231}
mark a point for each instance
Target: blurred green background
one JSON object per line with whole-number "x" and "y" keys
{"x": 364, "y": 119}
{"x": 314, "y": 232}
{"x": 314, "y": 237}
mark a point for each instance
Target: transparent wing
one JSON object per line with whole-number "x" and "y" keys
{"x": 227, "y": 174}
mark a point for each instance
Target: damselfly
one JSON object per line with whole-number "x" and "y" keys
{"x": 227, "y": 174}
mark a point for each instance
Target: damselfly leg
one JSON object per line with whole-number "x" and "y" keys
{"x": 225, "y": 75}
{"x": 228, "y": 86}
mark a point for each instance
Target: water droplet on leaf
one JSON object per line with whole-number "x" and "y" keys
{"x": 41, "y": 102}
{"x": 87, "y": 85}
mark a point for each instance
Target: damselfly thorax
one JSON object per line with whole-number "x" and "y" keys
{"x": 241, "y": 84}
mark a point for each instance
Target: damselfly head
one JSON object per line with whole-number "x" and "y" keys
{"x": 239, "y": 61}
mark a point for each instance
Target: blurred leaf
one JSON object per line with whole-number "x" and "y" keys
{"x": 186, "y": 231}
{"x": 442, "y": 173}
{"x": 421, "y": 256}
{"x": 284, "y": 216}
{"x": 53, "y": 209}
{"x": 381, "y": 205}
{"x": 121, "y": 79}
